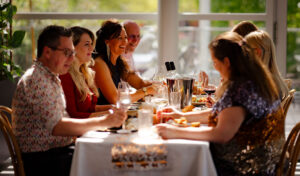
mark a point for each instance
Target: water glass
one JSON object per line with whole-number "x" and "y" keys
{"x": 124, "y": 99}
{"x": 145, "y": 121}
{"x": 175, "y": 100}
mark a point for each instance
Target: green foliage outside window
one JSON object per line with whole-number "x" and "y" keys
{"x": 8, "y": 41}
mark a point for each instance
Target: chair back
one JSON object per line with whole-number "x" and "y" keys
{"x": 286, "y": 102}
{"x": 11, "y": 142}
{"x": 290, "y": 153}
{"x": 4, "y": 111}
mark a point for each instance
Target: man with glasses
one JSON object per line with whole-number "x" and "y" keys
{"x": 133, "y": 35}
{"x": 41, "y": 124}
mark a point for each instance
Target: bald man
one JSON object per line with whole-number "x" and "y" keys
{"x": 133, "y": 36}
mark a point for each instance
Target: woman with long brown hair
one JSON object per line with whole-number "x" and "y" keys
{"x": 111, "y": 68}
{"x": 246, "y": 129}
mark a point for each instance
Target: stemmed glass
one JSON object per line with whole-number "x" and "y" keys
{"x": 124, "y": 101}
{"x": 209, "y": 89}
{"x": 211, "y": 86}
{"x": 160, "y": 100}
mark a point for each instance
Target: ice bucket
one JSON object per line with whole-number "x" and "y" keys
{"x": 183, "y": 85}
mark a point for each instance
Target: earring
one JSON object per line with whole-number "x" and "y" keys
{"x": 108, "y": 51}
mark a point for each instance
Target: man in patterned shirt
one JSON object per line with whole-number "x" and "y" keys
{"x": 40, "y": 122}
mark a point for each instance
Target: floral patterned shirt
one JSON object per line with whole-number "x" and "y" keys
{"x": 38, "y": 105}
{"x": 256, "y": 147}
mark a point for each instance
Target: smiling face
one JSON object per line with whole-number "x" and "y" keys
{"x": 133, "y": 34}
{"x": 117, "y": 45}
{"x": 60, "y": 59}
{"x": 84, "y": 48}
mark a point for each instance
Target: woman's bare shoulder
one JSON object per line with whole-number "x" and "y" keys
{"x": 99, "y": 60}
{"x": 99, "y": 64}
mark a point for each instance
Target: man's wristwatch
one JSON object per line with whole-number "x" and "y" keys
{"x": 145, "y": 91}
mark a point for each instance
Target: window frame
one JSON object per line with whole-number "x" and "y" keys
{"x": 168, "y": 18}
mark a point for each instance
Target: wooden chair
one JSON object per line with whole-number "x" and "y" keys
{"x": 4, "y": 111}
{"x": 286, "y": 102}
{"x": 11, "y": 142}
{"x": 290, "y": 153}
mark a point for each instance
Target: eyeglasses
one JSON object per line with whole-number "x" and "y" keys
{"x": 67, "y": 52}
{"x": 132, "y": 37}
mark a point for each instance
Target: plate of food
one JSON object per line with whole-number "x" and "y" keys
{"x": 182, "y": 122}
{"x": 199, "y": 100}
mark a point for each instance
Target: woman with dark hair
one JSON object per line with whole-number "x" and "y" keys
{"x": 78, "y": 84}
{"x": 111, "y": 68}
{"x": 244, "y": 27}
{"x": 246, "y": 130}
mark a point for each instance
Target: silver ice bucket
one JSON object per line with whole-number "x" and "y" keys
{"x": 183, "y": 85}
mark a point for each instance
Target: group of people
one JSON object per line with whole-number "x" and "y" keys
{"x": 90, "y": 86}
{"x": 246, "y": 125}
{"x": 72, "y": 88}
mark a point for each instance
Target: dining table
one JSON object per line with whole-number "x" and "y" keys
{"x": 113, "y": 154}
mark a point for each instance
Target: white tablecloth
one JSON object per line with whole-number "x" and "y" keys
{"x": 92, "y": 157}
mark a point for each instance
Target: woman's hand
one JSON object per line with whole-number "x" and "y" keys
{"x": 167, "y": 131}
{"x": 168, "y": 113}
{"x": 153, "y": 89}
{"x": 210, "y": 102}
{"x": 203, "y": 77}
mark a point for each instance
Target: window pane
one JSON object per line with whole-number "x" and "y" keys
{"x": 194, "y": 37}
{"x": 293, "y": 43}
{"x": 221, "y": 6}
{"x": 145, "y": 56}
{"x": 86, "y": 6}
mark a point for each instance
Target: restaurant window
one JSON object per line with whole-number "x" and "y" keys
{"x": 194, "y": 35}
{"x": 293, "y": 44}
{"x": 221, "y": 6}
{"x": 90, "y": 6}
{"x": 194, "y": 18}
{"x": 34, "y": 15}
{"x": 145, "y": 55}
{"x": 194, "y": 38}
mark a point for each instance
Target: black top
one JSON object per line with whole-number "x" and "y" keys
{"x": 116, "y": 77}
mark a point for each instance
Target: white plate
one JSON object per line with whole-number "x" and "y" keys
{"x": 122, "y": 131}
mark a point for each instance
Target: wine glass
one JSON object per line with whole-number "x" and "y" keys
{"x": 212, "y": 84}
{"x": 209, "y": 89}
{"x": 124, "y": 100}
{"x": 160, "y": 100}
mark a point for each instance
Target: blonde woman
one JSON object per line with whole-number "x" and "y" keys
{"x": 264, "y": 49}
{"x": 78, "y": 84}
